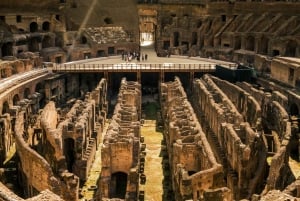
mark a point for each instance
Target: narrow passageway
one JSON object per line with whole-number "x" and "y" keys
{"x": 156, "y": 187}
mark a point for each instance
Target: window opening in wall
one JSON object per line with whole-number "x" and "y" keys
{"x": 166, "y": 44}
{"x": 223, "y": 18}
{"x": 62, "y": 1}
{"x": 194, "y": 38}
{"x": 2, "y": 18}
{"x": 87, "y": 55}
{"x": 111, "y": 50}
{"x": 46, "y": 26}
{"x": 176, "y": 39}
{"x": 58, "y": 59}
{"x": 33, "y": 27}
{"x": 226, "y": 45}
{"x": 100, "y": 53}
{"x": 108, "y": 20}
{"x": 291, "y": 74}
{"x": 19, "y": 18}
{"x": 57, "y": 17}
{"x": 83, "y": 40}
{"x": 275, "y": 53}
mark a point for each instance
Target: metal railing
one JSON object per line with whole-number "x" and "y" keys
{"x": 133, "y": 67}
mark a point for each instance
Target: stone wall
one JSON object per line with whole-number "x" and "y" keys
{"x": 278, "y": 132}
{"x": 194, "y": 168}
{"x": 239, "y": 147}
{"x": 243, "y": 101}
{"x": 121, "y": 145}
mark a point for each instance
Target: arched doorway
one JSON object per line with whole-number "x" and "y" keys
{"x": 33, "y": 27}
{"x": 5, "y": 107}
{"x": 16, "y": 99}
{"x": 26, "y": 93}
{"x": 46, "y": 26}
{"x": 118, "y": 185}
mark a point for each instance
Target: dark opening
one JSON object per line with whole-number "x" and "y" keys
{"x": 111, "y": 50}
{"x": 57, "y": 17}
{"x": 237, "y": 43}
{"x": 250, "y": 43}
{"x": 191, "y": 172}
{"x": 62, "y": 1}
{"x": 294, "y": 111}
{"x": 166, "y": 44}
{"x": 41, "y": 90}
{"x": 26, "y": 93}
{"x": 100, "y": 53}
{"x": 33, "y": 27}
{"x": 176, "y": 39}
{"x": 291, "y": 74}
{"x": 2, "y": 18}
{"x": 87, "y": 55}
{"x": 275, "y": 53}
{"x": 108, "y": 20}
{"x": 194, "y": 38}
{"x": 291, "y": 49}
{"x": 19, "y": 18}
{"x": 264, "y": 45}
{"x": 223, "y": 18}
{"x": 69, "y": 153}
{"x": 118, "y": 185}
{"x": 46, "y": 26}
{"x": 83, "y": 40}
{"x": 58, "y": 60}
{"x": 7, "y": 49}
{"x": 16, "y": 99}
{"x": 5, "y": 107}
{"x": 226, "y": 45}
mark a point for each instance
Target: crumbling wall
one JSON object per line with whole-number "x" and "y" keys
{"x": 37, "y": 174}
{"x": 243, "y": 101}
{"x": 194, "y": 168}
{"x": 243, "y": 149}
{"x": 121, "y": 144}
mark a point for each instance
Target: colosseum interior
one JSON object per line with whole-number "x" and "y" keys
{"x": 155, "y": 100}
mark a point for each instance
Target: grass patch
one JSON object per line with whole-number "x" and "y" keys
{"x": 150, "y": 110}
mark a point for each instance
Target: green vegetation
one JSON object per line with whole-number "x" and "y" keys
{"x": 150, "y": 110}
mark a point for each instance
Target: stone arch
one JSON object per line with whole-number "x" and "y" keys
{"x": 46, "y": 26}
{"x": 46, "y": 42}
{"x": 16, "y": 99}
{"x": 118, "y": 185}
{"x": 5, "y": 107}
{"x": 7, "y": 49}
{"x": 291, "y": 48}
{"x": 33, "y": 27}
{"x": 26, "y": 93}
{"x": 250, "y": 43}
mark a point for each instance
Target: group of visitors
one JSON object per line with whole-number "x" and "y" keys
{"x": 128, "y": 57}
